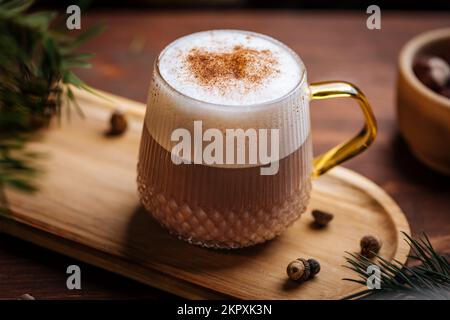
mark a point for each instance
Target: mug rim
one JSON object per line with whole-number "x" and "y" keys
{"x": 231, "y": 107}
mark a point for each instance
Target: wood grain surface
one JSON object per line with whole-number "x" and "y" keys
{"x": 333, "y": 46}
{"x": 88, "y": 208}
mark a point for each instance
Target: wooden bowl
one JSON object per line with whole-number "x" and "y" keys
{"x": 424, "y": 115}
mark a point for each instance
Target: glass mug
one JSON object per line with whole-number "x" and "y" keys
{"x": 233, "y": 206}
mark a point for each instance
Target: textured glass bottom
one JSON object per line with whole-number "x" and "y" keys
{"x": 222, "y": 207}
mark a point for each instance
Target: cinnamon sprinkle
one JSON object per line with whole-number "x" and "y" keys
{"x": 221, "y": 69}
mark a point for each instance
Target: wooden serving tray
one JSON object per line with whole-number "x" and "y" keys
{"x": 88, "y": 208}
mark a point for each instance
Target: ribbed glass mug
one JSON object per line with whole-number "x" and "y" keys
{"x": 235, "y": 206}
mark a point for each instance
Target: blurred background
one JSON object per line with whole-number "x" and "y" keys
{"x": 272, "y": 4}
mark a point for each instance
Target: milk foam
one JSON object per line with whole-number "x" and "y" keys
{"x": 167, "y": 110}
{"x": 174, "y": 68}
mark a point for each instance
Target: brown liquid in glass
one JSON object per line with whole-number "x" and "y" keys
{"x": 223, "y": 207}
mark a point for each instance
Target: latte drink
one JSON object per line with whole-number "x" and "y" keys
{"x": 226, "y": 79}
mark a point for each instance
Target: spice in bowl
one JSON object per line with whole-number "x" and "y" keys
{"x": 433, "y": 72}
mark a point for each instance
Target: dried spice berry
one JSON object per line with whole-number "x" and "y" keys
{"x": 432, "y": 71}
{"x": 295, "y": 270}
{"x": 440, "y": 70}
{"x": 118, "y": 124}
{"x": 307, "y": 271}
{"x": 26, "y": 296}
{"x": 445, "y": 92}
{"x": 321, "y": 218}
{"x": 370, "y": 246}
{"x": 314, "y": 266}
{"x": 302, "y": 270}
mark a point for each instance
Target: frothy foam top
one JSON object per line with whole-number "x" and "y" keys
{"x": 230, "y": 67}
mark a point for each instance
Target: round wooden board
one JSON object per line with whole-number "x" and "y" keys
{"x": 360, "y": 207}
{"x": 88, "y": 208}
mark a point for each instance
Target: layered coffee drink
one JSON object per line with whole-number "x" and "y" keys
{"x": 206, "y": 85}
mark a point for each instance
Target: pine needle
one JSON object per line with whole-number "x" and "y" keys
{"x": 429, "y": 280}
{"x": 36, "y": 62}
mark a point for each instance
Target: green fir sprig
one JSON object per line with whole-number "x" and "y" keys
{"x": 428, "y": 280}
{"x": 36, "y": 63}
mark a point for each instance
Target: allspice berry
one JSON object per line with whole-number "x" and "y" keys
{"x": 26, "y": 296}
{"x": 445, "y": 92}
{"x": 314, "y": 266}
{"x": 295, "y": 270}
{"x": 307, "y": 272}
{"x": 370, "y": 246}
{"x": 301, "y": 269}
{"x": 118, "y": 124}
{"x": 321, "y": 218}
{"x": 432, "y": 71}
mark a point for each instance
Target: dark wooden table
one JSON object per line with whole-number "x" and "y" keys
{"x": 332, "y": 45}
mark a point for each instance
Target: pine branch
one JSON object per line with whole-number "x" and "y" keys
{"x": 429, "y": 280}
{"x": 36, "y": 63}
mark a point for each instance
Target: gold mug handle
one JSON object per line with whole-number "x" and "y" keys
{"x": 356, "y": 145}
